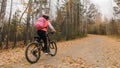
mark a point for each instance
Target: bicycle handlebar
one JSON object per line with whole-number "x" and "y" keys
{"x": 50, "y": 33}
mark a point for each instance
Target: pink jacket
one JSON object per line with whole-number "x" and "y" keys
{"x": 41, "y": 24}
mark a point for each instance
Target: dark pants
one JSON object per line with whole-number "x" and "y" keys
{"x": 43, "y": 36}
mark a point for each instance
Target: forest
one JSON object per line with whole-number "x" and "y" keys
{"x": 72, "y": 19}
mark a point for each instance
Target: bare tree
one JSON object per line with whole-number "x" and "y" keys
{"x": 24, "y": 12}
{"x": 27, "y": 29}
{"x": 8, "y": 35}
{"x": 2, "y": 15}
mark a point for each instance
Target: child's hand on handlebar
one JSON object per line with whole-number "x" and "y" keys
{"x": 54, "y": 30}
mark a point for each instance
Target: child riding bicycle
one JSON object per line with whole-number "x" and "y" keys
{"x": 41, "y": 26}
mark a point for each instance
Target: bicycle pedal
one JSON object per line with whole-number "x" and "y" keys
{"x": 47, "y": 53}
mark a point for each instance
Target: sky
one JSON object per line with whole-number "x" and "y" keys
{"x": 16, "y": 5}
{"x": 103, "y": 6}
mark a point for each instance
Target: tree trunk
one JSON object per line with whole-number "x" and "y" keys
{"x": 23, "y": 13}
{"x": 2, "y": 15}
{"x": 15, "y": 40}
{"x": 8, "y": 35}
{"x": 27, "y": 33}
{"x": 15, "y": 33}
{"x": 41, "y": 3}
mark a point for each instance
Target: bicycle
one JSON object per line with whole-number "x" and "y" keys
{"x": 36, "y": 49}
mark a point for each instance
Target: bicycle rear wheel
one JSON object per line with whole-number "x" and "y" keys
{"x": 32, "y": 52}
{"x": 53, "y": 48}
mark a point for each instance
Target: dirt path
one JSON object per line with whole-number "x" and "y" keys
{"x": 94, "y": 51}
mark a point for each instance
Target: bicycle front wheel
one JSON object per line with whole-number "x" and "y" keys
{"x": 32, "y": 52}
{"x": 53, "y": 48}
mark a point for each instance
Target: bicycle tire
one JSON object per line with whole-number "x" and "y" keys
{"x": 52, "y": 45}
{"x": 26, "y": 52}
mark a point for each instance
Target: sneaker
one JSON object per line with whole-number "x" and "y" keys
{"x": 48, "y": 52}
